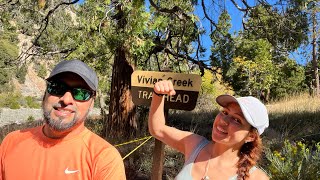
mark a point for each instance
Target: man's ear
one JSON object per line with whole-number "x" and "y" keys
{"x": 92, "y": 104}
{"x": 43, "y": 99}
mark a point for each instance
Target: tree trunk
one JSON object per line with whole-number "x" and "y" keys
{"x": 121, "y": 121}
{"x": 315, "y": 73}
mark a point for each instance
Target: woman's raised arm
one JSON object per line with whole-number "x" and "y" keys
{"x": 171, "y": 136}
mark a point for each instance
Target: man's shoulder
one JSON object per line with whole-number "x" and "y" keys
{"x": 22, "y": 133}
{"x": 99, "y": 147}
{"x": 14, "y": 138}
{"x": 94, "y": 140}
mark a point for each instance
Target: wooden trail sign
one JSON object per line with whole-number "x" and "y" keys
{"x": 187, "y": 88}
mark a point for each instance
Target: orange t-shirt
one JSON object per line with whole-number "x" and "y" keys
{"x": 30, "y": 155}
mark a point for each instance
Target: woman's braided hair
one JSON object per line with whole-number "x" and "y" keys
{"x": 249, "y": 154}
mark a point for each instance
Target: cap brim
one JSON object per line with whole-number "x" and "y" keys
{"x": 224, "y": 100}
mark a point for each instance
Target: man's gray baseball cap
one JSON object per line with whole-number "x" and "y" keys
{"x": 253, "y": 110}
{"x": 78, "y": 67}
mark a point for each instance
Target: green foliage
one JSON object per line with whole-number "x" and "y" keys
{"x": 291, "y": 80}
{"x": 21, "y": 74}
{"x": 8, "y": 53}
{"x": 42, "y": 71}
{"x": 31, "y": 102}
{"x": 16, "y": 101}
{"x": 211, "y": 87}
{"x": 10, "y": 100}
{"x": 252, "y": 70}
{"x": 207, "y": 86}
{"x": 286, "y": 29}
{"x": 295, "y": 161}
{"x": 30, "y": 119}
{"x": 222, "y": 50}
{"x": 4, "y": 76}
{"x": 7, "y": 87}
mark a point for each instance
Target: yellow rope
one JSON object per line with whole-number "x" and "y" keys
{"x": 137, "y": 147}
{"x": 136, "y": 140}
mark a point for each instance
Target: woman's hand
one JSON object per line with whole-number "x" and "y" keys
{"x": 164, "y": 87}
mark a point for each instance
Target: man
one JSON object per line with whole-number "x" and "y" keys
{"x": 63, "y": 148}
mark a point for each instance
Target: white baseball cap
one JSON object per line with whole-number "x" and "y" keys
{"x": 254, "y": 111}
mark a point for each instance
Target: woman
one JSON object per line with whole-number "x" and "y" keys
{"x": 236, "y": 144}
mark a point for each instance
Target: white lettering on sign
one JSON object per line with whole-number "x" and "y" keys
{"x": 145, "y": 95}
{"x": 181, "y": 98}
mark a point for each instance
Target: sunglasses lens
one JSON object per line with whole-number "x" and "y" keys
{"x": 55, "y": 88}
{"x": 81, "y": 94}
{"x": 59, "y": 89}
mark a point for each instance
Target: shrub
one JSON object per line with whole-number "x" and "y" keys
{"x": 8, "y": 51}
{"x": 10, "y": 100}
{"x": 16, "y": 100}
{"x": 21, "y": 74}
{"x": 31, "y": 102}
{"x": 294, "y": 161}
{"x": 6, "y": 87}
{"x": 4, "y": 76}
{"x": 14, "y": 105}
{"x": 30, "y": 119}
{"x": 42, "y": 71}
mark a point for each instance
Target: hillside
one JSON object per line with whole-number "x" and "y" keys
{"x": 33, "y": 86}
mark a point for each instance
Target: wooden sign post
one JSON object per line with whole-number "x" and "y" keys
{"x": 187, "y": 88}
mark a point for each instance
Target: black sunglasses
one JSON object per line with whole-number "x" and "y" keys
{"x": 58, "y": 88}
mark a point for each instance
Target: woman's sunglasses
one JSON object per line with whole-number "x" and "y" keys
{"x": 57, "y": 88}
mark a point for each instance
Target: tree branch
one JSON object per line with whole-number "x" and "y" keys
{"x": 63, "y": 51}
{"x": 42, "y": 28}
{"x": 46, "y": 19}
{"x": 206, "y": 14}
{"x": 165, "y": 10}
{"x": 238, "y": 7}
{"x": 200, "y": 63}
{"x": 174, "y": 10}
{"x": 246, "y": 4}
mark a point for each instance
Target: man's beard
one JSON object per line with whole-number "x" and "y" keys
{"x": 58, "y": 124}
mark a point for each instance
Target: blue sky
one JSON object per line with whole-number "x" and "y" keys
{"x": 236, "y": 22}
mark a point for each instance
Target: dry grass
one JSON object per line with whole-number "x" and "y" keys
{"x": 294, "y": 118}
{"x": 299, "y": 103}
